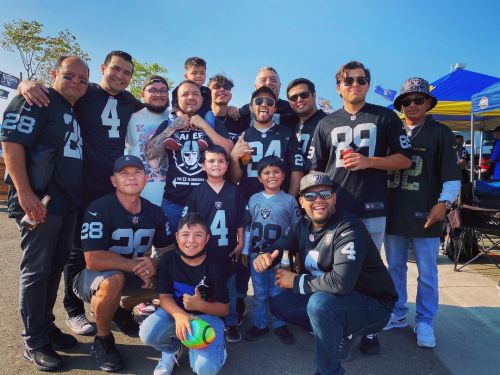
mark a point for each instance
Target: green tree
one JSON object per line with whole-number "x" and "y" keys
{"x": 38, "y": 53}
{"x": 141, "y": 71}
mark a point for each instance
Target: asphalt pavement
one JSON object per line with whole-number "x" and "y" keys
{"x": 467, "y": 329}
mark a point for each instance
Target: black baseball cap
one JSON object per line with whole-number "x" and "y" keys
{"x": 153, "y": 79}
{"x": 263, "y": 89}
{"x": 126, "y": 160}
{"x": 314, "y": 179}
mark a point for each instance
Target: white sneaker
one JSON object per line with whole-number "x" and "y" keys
{"x": 425, "y": 335}
{"x": 80, "y": 325}
{"x": 396, "y": 322}
{"x": 167, "y": 362}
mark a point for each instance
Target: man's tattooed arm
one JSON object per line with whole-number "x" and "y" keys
{"x": 154, "y": 148}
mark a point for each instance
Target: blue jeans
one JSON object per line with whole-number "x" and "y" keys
{"x": 173, "y": 211}
{"x": 158, "y": 331}
{"x": 331, "y": 318}
{"x": 426, "y": 252}
{"x": 232, "y": 318}
{"x": 376, "y": 228}
{"x": 264, "y": 287}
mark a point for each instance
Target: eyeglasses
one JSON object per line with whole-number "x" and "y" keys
{"x": 311, "y": 196}
{"x": 161, "y": 92}
{"x": 259, "y": 100}
{"x": 302, "y": 95}
{"x": 349, "y": 81}
{"x": 69, "y": 77}
{"x": 419, "y": 100}
{"x": 225, "y": 86}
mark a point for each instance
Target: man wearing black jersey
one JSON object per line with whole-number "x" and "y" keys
{"x": 117, "y": 230}
{"x": 343, "y": 288}
{"x": 103, "y": 113}
{"x": 27, "y": 133}
{"x": 418, "y": 199}
{"x": 183, "y": 141}
{"x": 356, "y": 146}
{"x": 301, "y": 94}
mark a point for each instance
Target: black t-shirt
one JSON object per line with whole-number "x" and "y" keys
{"x": 278, "y": 141}
{"x": 176, "y": 277}
{"x": 104, "y": 119}
{"x": 234, "y": 128}
{"x": 224, "y": 213}
{"x": 53, "y": 127}
{"x": 339, "y": 258}
{"x": 107, "y": 225}
{"x": 373, "y": 131}
{"x": 205, "y": 106}
{"x": 283, "y": 116}
{"x": 413, "y": 192}
{"x": 304, "y": 132}
{"x": 184, "y": 165}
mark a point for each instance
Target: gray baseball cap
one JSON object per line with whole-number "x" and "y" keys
{"x": 313, "y": 179}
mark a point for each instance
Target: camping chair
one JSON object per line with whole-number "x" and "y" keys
{"x": 472, "y": 227}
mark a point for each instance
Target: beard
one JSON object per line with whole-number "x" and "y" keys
{"x": 156, "y": 108}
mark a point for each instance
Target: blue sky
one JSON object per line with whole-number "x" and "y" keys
{"x": 311, "y": 39}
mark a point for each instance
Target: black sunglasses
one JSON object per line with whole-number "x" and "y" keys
{"x": 302, "y": 95}
{"x": 259, "y": 100}
{"x": 349, "y": 81}
{"x": 419, "y": 100}
{"x": 311, "y": 196}
{"x": 225, "y": 86}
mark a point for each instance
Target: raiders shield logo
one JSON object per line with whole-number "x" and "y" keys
{"x": 328, "y": 238}
{"x": 314, "y": 178}
{"x": 265, "y": 213}
{"x": 135, "y": 219}
{"x": 311, "y": 237}
{"x": 218, "y": 205}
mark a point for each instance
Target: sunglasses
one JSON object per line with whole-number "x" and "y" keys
{"x": 259, "y": 100}
{"x": 225, "y": 86}
{"x": 419, "y": 100}
{"x": 311, "y": 196}
{"x": 349, "y": 81}
{"x": 302, "y": 95}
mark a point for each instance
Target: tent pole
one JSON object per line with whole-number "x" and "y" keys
{"x": 472, "y": 147}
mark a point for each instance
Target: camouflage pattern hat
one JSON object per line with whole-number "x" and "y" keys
{"x": 412, "y": 86}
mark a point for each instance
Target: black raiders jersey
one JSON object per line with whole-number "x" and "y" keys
{"x": 304, "y": 132}
{"x": 175, "y": 277}
{"x": 283, "y": 116}
{"x": 234, "y": 128}
{"x": 184, "y": 165}
{"x": 278, "y": 141}
{"x": 107, "y": 225}
{"x": 414, "y": 191}
{"x": 40, "y": 130}
{"x": 224, "y": 213}
{"x": 104, "y": 119}
{"x": 373, "y": 131}
{"x": 339, "y": 258}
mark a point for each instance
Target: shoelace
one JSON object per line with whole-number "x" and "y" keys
{"x": 81, "y": 320}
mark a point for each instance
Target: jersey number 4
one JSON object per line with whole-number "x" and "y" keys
{"x": 218, "y": 228}
{"x": 110, "y": 117}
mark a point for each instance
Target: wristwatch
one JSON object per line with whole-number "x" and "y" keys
{"x": 447, "y": 204}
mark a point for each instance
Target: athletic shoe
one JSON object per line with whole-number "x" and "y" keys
{"x": 345, "y": 348}
{"x": 80, "y": 325}
{"x": 124, "y": 321}
{"x": 370, "y": 344}
{"x": 254, "y": 333}
{"x": 241, "y": 310}
{"x": 233, "y": 334}
{"x": 285, "y": 336}
{"x": 59, "y": 340}
{"x": 44, "y": 358}
{"x": 167, "y": 362}
{"x": 396, "y": 322}
{"x": 146, "y": 308}
{"x": 105, "y": 354}
{"x": 425, "y": 335}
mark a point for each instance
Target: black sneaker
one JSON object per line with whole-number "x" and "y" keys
{"x": 345, "y": 347}
{"x": 60, "y": 340}
{"x": 285, "y": 336}
{"x": 233, "y": 334}
{"x": 254, "y": 333}
{"x": 370, "y": 344}
{"x": 44, "y": 358}
{"x": 105, "y": 354}
{"x": 124, "y": 321}
{"x": 241, "y": 310}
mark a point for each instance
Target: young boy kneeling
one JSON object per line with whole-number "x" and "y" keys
{"x": 190, "y": 286}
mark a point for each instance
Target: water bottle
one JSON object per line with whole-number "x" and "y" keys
{"x": 29, "y": 224}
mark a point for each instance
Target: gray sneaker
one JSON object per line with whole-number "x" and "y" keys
{"x": 345, "y": 347}
{"x": 80, "y": 325}
{"x": 167, "y": 362}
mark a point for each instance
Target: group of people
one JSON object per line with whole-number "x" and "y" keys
{"x": 185, "y": 205}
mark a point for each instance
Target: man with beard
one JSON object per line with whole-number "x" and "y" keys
{"x": 141, "y": 127}
{"x": 177, "y": 140}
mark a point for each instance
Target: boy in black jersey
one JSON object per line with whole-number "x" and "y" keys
{"x": 222, "y": 206}
{"x": 342, "y": 289}
{"x": 191, "y": 285}
{"x": 118, "y": 229}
